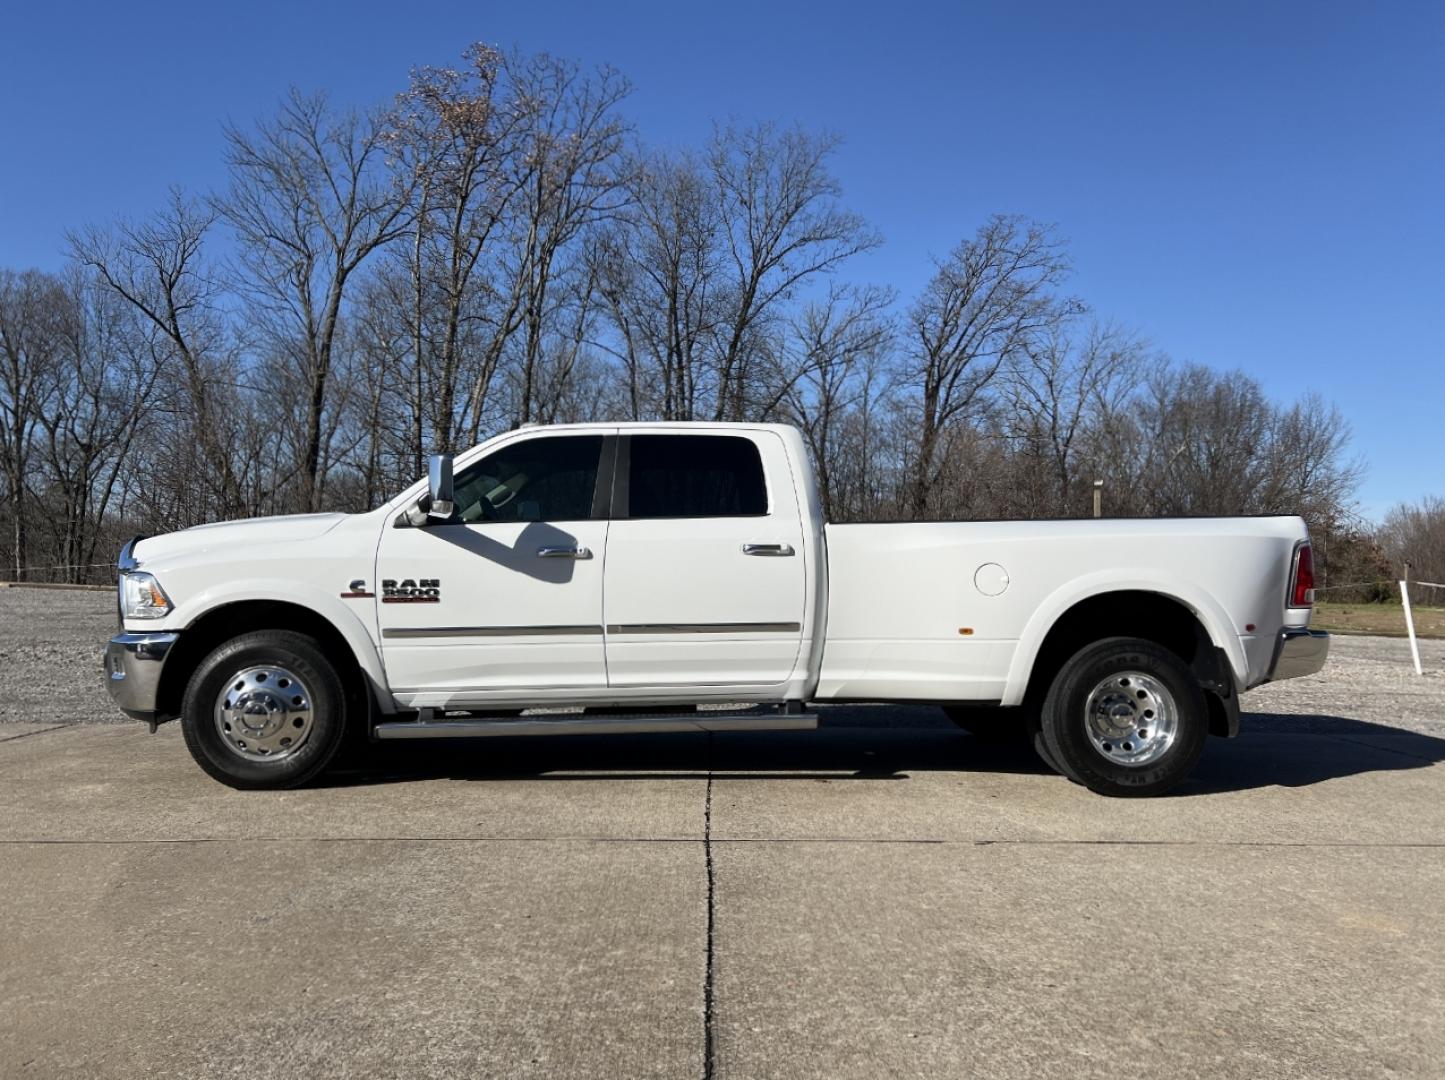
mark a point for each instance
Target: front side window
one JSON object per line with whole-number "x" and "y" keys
{"x": 545, "y": 479}
{"x": 684, "y": 476}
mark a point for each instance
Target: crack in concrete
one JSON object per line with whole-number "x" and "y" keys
{"x": 42, "y": 731}
{"x": 709, "y": 1038}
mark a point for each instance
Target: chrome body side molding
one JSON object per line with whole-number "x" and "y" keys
{"x": 582, "y": 631}
{"x": 705, "y": 628}
{"x": 489, "y": 631}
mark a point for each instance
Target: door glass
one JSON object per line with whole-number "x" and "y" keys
{"x": 546, "y": 479}
{"x": 684, "y": 476}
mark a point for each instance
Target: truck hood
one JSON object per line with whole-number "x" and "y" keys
{"x": 228, "y": 534}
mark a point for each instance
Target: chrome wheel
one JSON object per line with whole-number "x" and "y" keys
{"x": 264, "y": 713}
{"x": 1131, "y": 718}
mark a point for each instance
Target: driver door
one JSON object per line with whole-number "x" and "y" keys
{"x": 504, "y": 598}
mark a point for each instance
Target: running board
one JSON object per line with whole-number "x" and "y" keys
{"x": 595, "y": 725}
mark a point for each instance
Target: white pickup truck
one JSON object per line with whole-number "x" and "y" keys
{"x": 640, "y": 571}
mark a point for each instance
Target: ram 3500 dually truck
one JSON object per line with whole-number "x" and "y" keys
{"x": 641, "y": 571}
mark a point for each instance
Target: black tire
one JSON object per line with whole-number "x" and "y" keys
{"x": 991, "y": 723}
{"x": 327, "y": 700}
{"x": 1041, "y": 747}
{"x": 1032, "y": 724}
{"x": 1065, "y": 729}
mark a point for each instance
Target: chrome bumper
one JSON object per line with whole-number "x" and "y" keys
{"x": 1299, "y": 651}
{"x": 132, "y": 666}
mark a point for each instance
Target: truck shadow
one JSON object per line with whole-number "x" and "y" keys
{"x": 1289, "y": 750}
{"x": 885, "y": 743}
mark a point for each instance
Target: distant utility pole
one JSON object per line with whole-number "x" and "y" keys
{"x": 1098, "y": 498}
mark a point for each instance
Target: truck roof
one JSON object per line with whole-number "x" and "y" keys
{"x": 678, "y": 425}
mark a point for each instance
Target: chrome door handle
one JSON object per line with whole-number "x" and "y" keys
{"x": 563, "y": 553}
{"x": 767, "y": 549}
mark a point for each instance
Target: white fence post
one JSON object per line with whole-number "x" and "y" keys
{"x": 1410, "y": 625}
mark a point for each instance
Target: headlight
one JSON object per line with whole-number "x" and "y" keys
{"x": 141, "y": 597}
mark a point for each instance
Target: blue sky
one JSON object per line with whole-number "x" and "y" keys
{"x": 1249, "y": 185}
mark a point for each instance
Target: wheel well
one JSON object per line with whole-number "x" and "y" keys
{"x": 221, "y": 624}
{"x": 1137, "y": 614}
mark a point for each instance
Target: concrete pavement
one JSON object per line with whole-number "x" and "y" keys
{"x": 864, "y": 901}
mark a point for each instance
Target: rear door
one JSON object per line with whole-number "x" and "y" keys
{"x": 705, "y": 579}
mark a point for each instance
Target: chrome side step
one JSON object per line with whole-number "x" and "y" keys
{"x": 595, "y": 725}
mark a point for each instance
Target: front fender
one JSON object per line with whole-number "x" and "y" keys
{"x": 353, "y": 623}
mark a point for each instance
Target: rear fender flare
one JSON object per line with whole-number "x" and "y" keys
{"x": 1204, "y": 607}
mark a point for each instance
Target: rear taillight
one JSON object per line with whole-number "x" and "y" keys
{"x": 1302, "y": 586}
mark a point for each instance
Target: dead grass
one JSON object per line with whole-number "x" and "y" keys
{"x": 1386, "y": 619}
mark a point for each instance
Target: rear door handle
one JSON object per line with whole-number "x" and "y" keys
{"x": 563, "y": 553}
{"x": 767, "y": 549}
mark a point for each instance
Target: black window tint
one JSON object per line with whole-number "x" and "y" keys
{"x": 695, "y": 476}
{"x": 546, "y": 479}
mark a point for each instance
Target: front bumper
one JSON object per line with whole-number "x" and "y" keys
{"x": 1299, "y": 651}
{"x": 133, "y": 665}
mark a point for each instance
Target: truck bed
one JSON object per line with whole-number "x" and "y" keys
{"x": 957, "y": 611}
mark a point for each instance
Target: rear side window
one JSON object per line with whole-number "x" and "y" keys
{"x": 684, "y": 476}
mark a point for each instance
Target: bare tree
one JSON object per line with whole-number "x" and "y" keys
{"x": 459, "y": 132}
{"x": 158, "y": 267}
{"x": 836, "y": 343}
{"x": 1060, "y": 384}
{"x": 384, "y": 342}
{"x": 105, "y": 379}
{"x": 1414, "y": 533}
{"x": 781, "y": 225}
{"x": 32, "y": 337}
{"x": 1191, "y": 440}
{"x": 309, "y": 201}
{"x": 660, "y": 278}
{"x": 986, "y": 303}
{"x": 1310, "y": 474}
{"x": 572, "y": 180}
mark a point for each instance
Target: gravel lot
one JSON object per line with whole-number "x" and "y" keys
{"x": 51, "y": 640}
{"x": 48, "y": 635}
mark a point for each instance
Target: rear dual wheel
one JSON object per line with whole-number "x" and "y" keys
{"x": 1124, "y": 717}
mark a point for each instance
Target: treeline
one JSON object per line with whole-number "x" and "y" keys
{"x": 1413, "y": 536}
{"x": 498, "y": 247}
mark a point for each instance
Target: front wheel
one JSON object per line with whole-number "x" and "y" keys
{"x": 264, "y": 710}
{"x": 1125, "y": 717}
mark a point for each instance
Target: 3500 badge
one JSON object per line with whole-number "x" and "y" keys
{"x": 409, "y": 591}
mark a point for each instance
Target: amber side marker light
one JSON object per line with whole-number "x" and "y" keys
{"x": 965, "y": 630}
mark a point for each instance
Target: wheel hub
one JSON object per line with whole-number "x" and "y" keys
{"x": 1131, "y": 718}
{"x": 264, "y": 713}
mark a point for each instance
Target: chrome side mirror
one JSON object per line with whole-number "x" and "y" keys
{"x": 440, "y": 487}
